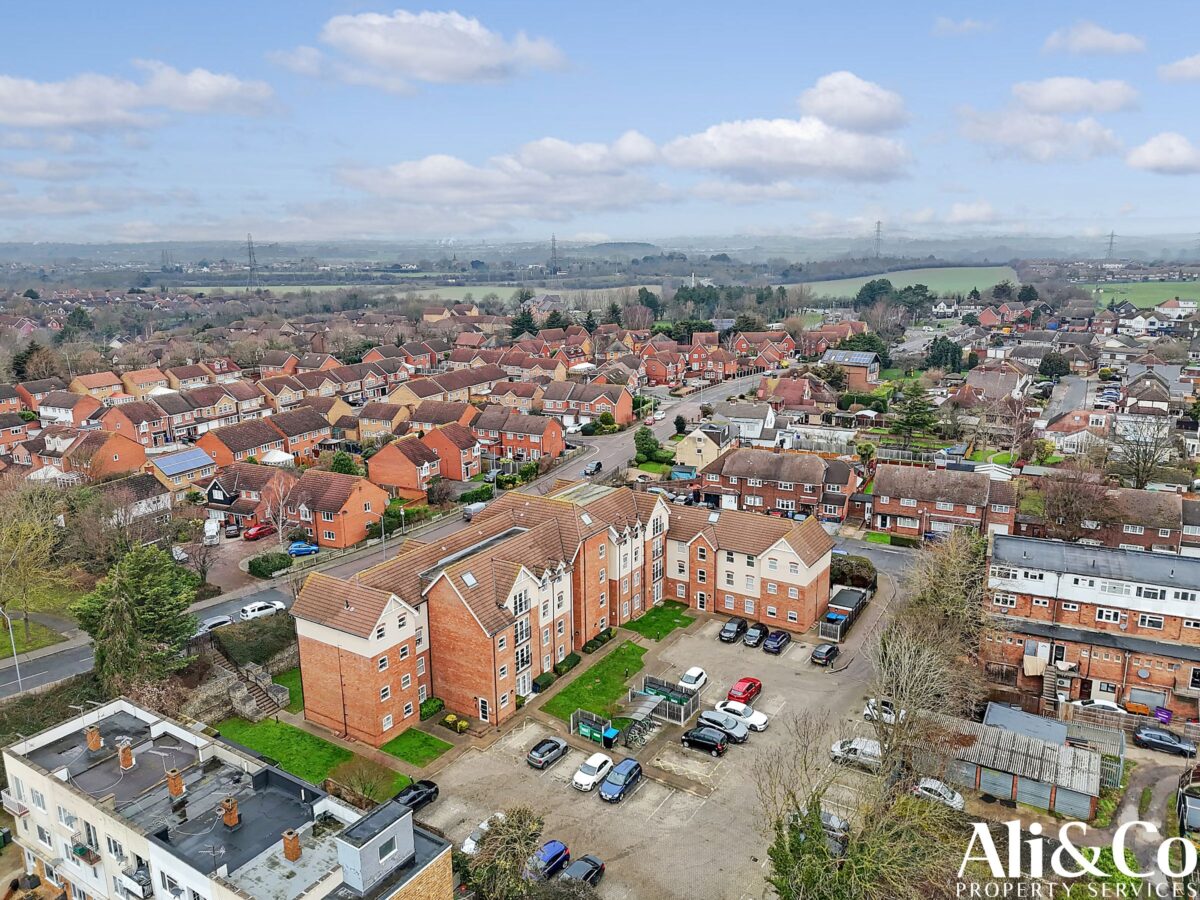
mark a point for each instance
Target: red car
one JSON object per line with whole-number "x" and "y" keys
{"x": 745, "y": 690}
{"x": 254, "y": 532}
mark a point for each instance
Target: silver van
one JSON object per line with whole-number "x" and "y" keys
{"x": 862, "y": 752}
{"x": 471, "y": 510}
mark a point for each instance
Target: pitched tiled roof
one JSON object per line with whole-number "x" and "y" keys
{"x": 43, "y": 385}
{"x": 184, "y": 373}
{"x": 323, "y": 491}
{"x": 139, "y": 411}
{"x": 948, "y": 485}
{"x": 751, "y": 533}
{"x": 249, "y": 435}
{"x": 98, "y": 380}
{"x": 276, "y": 358}
{"x": 439, "y": 412}
{"x": 380, "y": 410}
{"x": 798, "y": 468}
{"x": 65, "y": 399}
{"x": 301, "y": 420}
{"x": 146, "y": 376}
{"x": 347, "y": 606}
{"x": 413, "y": 450}
{"x": 134, "y": 488}
{"x": 458, "y": 435}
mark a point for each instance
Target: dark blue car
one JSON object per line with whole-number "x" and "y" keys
{"x": 549, "y": 860}
{"x": 777, "y": 642}
{"x": 621, "y": 780}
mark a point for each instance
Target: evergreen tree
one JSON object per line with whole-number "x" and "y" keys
{"x": 612, "y": 315}
{"x": 523, "y": 322}
{"x": 649, "y": 299}
{"x": 680, "y": 424}
{"x": 973, "y": 295}
{"x": 1054, "y": 364}
{"x": 344, "y": 463}
{"x": 943, "y": 353}
{"x": 589, "y": 322}
{"x": 1028, "y": 294}
{"x": 555, "y": 320}
{"x": 912, "y": 412}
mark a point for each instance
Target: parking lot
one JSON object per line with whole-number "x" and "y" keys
{"x": 697, "y": 837}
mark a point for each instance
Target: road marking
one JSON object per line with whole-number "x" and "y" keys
{"x": 660, "y": 806}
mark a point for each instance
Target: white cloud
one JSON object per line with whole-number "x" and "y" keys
{"x": 553, "y": 155}
{"x": 42, "y": 169}
{"x": 743, "y": 193}
{"x": 1090, "y": 38}
{"x": 759, "y": 150}
{"x": 1167, "y": 153}
{"x": 845, "y": 100}
{"x": 92, "y": 101}
{"x": 979, "y": 212}
{"x": 1074, "y": 95}
{"x": 392, "y": 51}
{"x": 1036, "y": 136}
{"x": 1186, "y": 69}
{"x": 943, "y": 26}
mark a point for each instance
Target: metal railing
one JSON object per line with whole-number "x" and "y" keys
{"x": 12, "y": 805}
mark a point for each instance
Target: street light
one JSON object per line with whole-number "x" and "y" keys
{"x": 12, "y": 637}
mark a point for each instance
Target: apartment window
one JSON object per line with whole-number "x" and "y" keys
{"x": 545, "y": 636}
{"x": 907, "y": 501}
{"x": 793, "y": 568}
{"x": 420, "y": 665}
{"x": 1004, "y": 572}
{"x": 603, "y": 575}
{"x": 405, "y": 682}
{"x": 1145, "y": 620}
{"x": 1133, "y": 529}
{"x": 770, "y": 612}
{"x": 1108, "y": 615}
{"x": 1191, "y": 623}
{"x": 503, "y": 672}
{"x": 701, "y": 576}
{"x": 382, "y": 664}
{"x": 792, "y": 616}
{"x": 561, "y": 627}
{"x": 37, "y": 798}
{"x": 1033, "y": 576}
{"x": 380, "y": 631}
{"x": 504, "y": 700}
{"x": 329, "y": 535}
{"x": 502, "y": 643}
{"x": 1118, "y": 588}
{"x": 772, "y": 563}
{"x": 600, "y": 552}
{"x": 326, "y": 516}
{"x": 385, "y": 693}
{"x": 772, "y": 588}
{"x": 1189, "y": 596}
{"x": 1008, "y": 601}
{"x": 1041, "y": 601}
{"x": 603, "y": 599}
{"x": 422, "y": 694}
{"x": 1150, "y": 593}
{"x": 701, "y": 553}
{"x": 681, "y": 568}
{"x": 679, "y": 591}
{"x": 408, "y": 709}
{"x": 729, "y": 556}
{"x": 1069, "y": 607}
{"x": 942, "y": 505}
{"x": 729, "y": 601}
{"x": 115, "y": 849}
{"x": 44, "y": 836}
{"x": 749, "y": 582}
{"x": 404, "y": 651}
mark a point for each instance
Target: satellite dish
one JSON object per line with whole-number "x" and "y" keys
{"x": 1143, "y": 673}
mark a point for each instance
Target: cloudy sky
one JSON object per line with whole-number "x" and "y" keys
{"x": 306, "y": 120}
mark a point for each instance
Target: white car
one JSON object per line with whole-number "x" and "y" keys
{"x": 694, "y": 679}
{"x": 747, "y": 715}
{"x": 1098, "y": 705}
{"x": 471, "y": 845}
{"x": 260, "y": 608}
{"x": 939, "y": 792}
{"x": 883, "y": 711}
{"x": 659, "y": 416}
{"x": 573, "y": 429}
{"x": 592, "y": 772}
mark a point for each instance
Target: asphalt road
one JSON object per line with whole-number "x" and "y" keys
{"x": 610, "y": 450}
{"x": 1071, "y": 393}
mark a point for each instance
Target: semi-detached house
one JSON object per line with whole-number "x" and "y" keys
{"x": 779, "y": 482}
{"x": 573, "y": 402}
{"x": 335, "y": 509}
{"x": 913, "y": 502}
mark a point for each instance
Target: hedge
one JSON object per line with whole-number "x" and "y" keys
{"x": 480, "y": 494}
{"x": 588, "y": 430}
{"x": 258, "y": 640}
{"x": 664, "y": 456}
{"x": 268, "y": 564}
{"x": 543, "y": 681}
{"x": 507, "y": 481}
{"x": 570, "y": 661}
{"x": 457, "y": 724}
{"x": 850, "y": 398}
{"x": 856, "y": 571}
{"x": 431, "y": 707}
{"x": 590, "y": 646}
{"x": 901, "y": 541}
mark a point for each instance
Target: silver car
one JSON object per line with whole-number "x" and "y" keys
{"x": 733, "y": 728}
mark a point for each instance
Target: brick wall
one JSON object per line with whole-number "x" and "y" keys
{"x": 436, "y": 882}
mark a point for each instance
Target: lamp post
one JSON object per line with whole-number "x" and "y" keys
{"x": 13, "y": 639}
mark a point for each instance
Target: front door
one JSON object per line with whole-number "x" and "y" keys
{"x": 483, "y": 710}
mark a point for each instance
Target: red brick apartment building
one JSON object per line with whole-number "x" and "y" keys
{"x": 1079, "y": 622}
{"x": 914, "y": 502}
{"x": 759, "y": 480}
{"x": 764, "y": 569}
{"x": 335, "y": 509}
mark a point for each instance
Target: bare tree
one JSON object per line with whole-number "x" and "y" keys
{"x": 947, "y": 584}
{"x": 274, "y": 498}
{"x": 201, "y": 556}
{"x": 1076, "y": 494}
{"x": 1142, "y": 447}
{"x": 498, "y": 868}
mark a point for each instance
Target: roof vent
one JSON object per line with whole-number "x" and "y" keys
{"x": 469, "y": 579}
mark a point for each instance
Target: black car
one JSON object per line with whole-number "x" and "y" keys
{"x": 708, "y": 739}
{"x": 593, "y": 468}
{"x": 777, "y": 642}
{"x": 733, "y": 629}
{"x": 418, "y": 794}
{"x": 587, "y": 868}
{"x": 755, "y": 634}
{"x": 825, "y": 654}
{"x": 546, "y": 752}
{"x": 1154, "y": 738}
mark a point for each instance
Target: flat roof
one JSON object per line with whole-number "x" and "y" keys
{"x": 584, "y": 493}
{"x": 1102, "y": 562}
{"x": 426, "y": 848}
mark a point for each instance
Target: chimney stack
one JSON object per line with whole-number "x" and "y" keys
{"x": 125, "y": 753}
{"x": 291, "y": 845}
{"x": 229, "y": 813}
{"x": 94, "y": 740}
{"x": 175, "y": 783}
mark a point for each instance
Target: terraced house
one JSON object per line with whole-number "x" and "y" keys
{"x": 779, "y": 482}
{"x": 915, "y": 502}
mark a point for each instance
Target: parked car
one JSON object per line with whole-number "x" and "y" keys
{"x": 694, "y": 679}
{"x": 659, "y": 416}
{"x": 212, "y": 623}
{"x": 255, "y": 532}
{"x": 731, "y": 727}
{"x": 418, "y": 794}
{"x": 649, "y": 420}
{"x": 707, "y": 739}
{"x": 776, "y": 642}
{"x": 587, "y": 868}
{"x": 593, "y": 771}
{"x": 862, "y": 752}
{"x": 302, "y": 548}
{"x": 744, "y": 690}
{"x": 471, "y": 510}
{"x": 755, "y": 634}
{"x": 825, "y": 654}
{"x": 546, "y": 863}
{"x": 573, "y": 429}
{"x": 1109, "y": 706}
{"x": 546, "y": 752}
{"x": 881, "y": 710}
{"x": 732, "y": 630}
{"x": 1152, "y": 737}
{"x": 592, "y": 468}
{"x": 621, "y": 781}
{"x": 471, "y": 845}
{"x": 179, "y": 555}
{"x": 939, "y": 792}
{"x": 260, "y": 608}
{"x": 752, "y": 718}
{"x": 232, "y": 530}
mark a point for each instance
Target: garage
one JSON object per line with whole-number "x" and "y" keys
{"x": 1033, "y": 793}
{"x": 998, "y": 784}
{"x": 1151, "y": 699}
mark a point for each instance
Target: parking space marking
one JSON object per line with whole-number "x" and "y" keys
{"x": 660, "y": 806}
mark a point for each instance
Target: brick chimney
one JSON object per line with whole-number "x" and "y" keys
{"x": 94, "y": 740}
{"x": 229, "y": 813}
{"x": 175, "y": 783}
{"x": 125, "y": 754}
{"x": 291, "y": 845}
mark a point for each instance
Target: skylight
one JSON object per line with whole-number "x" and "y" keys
{"x": 585, "y": 519}
{"x": 469, "y": 579}
{"x": 713, "y": 516}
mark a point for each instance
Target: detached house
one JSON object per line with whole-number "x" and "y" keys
{"x": 404, "y": 467}
{"x": 457, "y": 448}
{"x": 100, "y": 385}
{"x": 66, "y": 408}
{"x": 335, "y": 509}
{"x": 140, "y": 382}
{"x": 141, "y": 420}
{"x": 861, "y": 367}
{"x": 246, "y": 494}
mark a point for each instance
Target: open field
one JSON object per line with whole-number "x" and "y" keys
{"x": 949, "y": 280}
{"x": 1142, "y": 294}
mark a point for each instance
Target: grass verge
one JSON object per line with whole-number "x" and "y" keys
{"x": 659, "y": 621}
{"x": 416, "y": 747}
{"x": 39, "y": 636}
{"x": 877, "y": 537}
{"x": 599, "y": 688}
{"x": 1110, "y": 798}
{"x": 655, "y": 468}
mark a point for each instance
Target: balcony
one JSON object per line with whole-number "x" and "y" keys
{"x": 84, "y": 850}
{"x": 136, "y": 882}
{"x": 12, "y": 805}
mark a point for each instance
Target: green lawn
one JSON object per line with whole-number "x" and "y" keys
{"x": 39, "y": 636}
{"x": 291, "y": 680}
{"x": 599, "y": 688}
{"x": 677, "y": 437}
{"x": 655, "y": 468}
{"x": 304, "y": 755}
{"x": 1001, "y": 459}
{"x": 1142, "y": 294}
{"x": 877, "y": 537}
{"x": 659, "y": 621}
{"x": 416, "y": 747}
{"x": 948, "y": 279}
{"x": 890, "y": 374}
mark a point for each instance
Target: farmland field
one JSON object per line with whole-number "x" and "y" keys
{"x": 1142, "y": 294}
{"x": 948, "y": 280}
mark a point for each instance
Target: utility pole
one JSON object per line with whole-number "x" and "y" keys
{"x": 553, "y": 256}
{"x": 878, "y": 237}
{"x": 252, "y": 277}
{"x": 1112, "y": 239}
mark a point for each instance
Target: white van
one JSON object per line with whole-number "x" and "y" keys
{"x": 212, "y": 532}
{"x": 471, "y": 510}
{"x": 862, "y": 752}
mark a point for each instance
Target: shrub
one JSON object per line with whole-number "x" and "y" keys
{"x": 462, "y": 725}
{"x": 520, "y": 701}
{"x": 297, "y": 534}
{"x": 268, "y": 564}
{"x": 507, "y": 481}
{"x": 664, "y": 456}
{"x": 639, "y": 459}
{"x": 207, "y": 590}
{"x": 258, "y": 640}
{"x": 431, "y": 707}
{"x": 543, "y": 681}
{"x": 479, "y": 495}
{"x": 570, "y": 661}
{"x": 901, "y": 541}
{"x": 450, "y": 720}
{"x": 591, "y": 646}
{"x": 588, "y": 430}
{"x": 528, "y": 471}
{"x": 856, "y": 571}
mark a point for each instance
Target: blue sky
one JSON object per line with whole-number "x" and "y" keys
{"x": 305, "y": 120}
